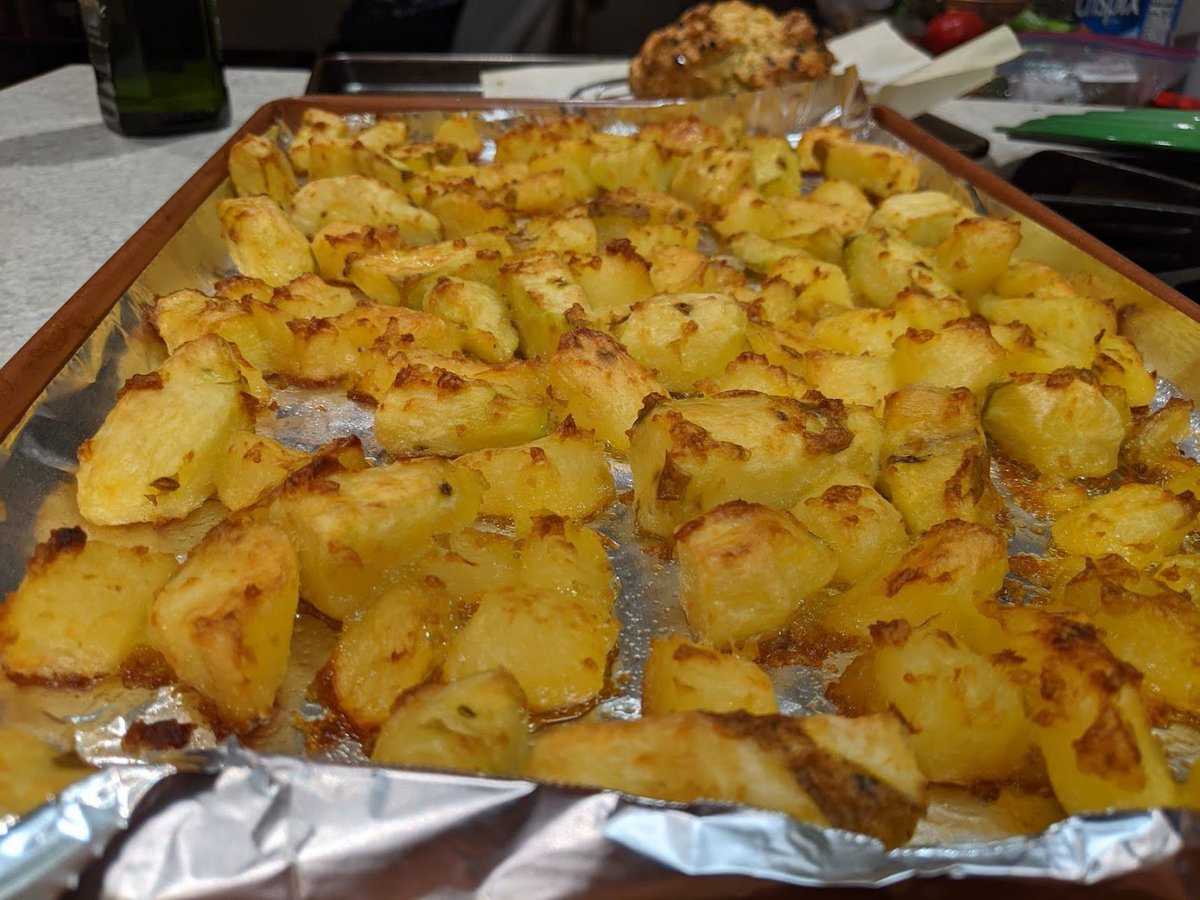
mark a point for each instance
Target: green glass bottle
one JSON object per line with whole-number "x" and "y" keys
{"x": 158, "y": 64}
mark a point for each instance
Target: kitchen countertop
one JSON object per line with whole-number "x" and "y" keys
{"x": 72, "y": 191}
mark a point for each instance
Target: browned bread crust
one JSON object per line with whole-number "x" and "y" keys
{"x": 722, "y": 48}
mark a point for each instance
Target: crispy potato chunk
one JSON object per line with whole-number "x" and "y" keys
{"x": 337, "y": 242}
{"x": 974, "y": 255}
{"x": 924, "y": 218}
{"x": 546, "y": 302}
{"x": 806, "y": 147}
{"x": 476, "y": 724}
{"x": 155, "y": 456}
{"x": 224, "y": 621}
{"x": 1089, "y": 719}
{"x": 880, "y": 267}
{"x": 689, "y": 456}
{"x": 388, "y": 648}
{"x": 573, "y": 638}
{"x": 879, "y": 171}
{"x": 1151, "y": 446}
{"x": 940, "y": 580}
{"x": 961, "y": 354}
{"x": 1144, "y": 623}
{"x": 821, "y": 287}
{"x": 564, "y": 473}
{"x": 432, "y": 410}
{"x": 479, "y": 313}
{"x": 1120, "y": 363}
{"x": 711, "y": 177}
{"x": 746, "y": 570}
{"x": 602, "y": 386}
{"x": 684, "y": 337}
{"x": 258, "y": 166}
{"x": 258, "y": 329}
{"x": 857, "y": 774}
{"x": 865, "y": 532}
{"x": 1074, "y": 321}
{"x": 355, "y": 530}
{"x": 80, "y": 609}
{"x": 935, "y": 462}
{"x": 31, "y": 772}
{"x": 614, "y": 280}
{"x": 362, "y": 200}
{"x": 403, "y": 276}
{"x": 315, "y": 125}
{"x": 1140, "y": 522}
{"x": 263, "y": 241}
{"x": 681, "y": 676}
{"x": 1062, "y": 424}
{"x": 967, "y": 719}
{"x": 251, "y": 465}
{"x": 752, "y": 372}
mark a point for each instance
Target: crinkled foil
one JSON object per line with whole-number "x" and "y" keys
{"x": 274, "y": 824}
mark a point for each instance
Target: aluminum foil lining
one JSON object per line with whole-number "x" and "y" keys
{"x": 272, "y": 824}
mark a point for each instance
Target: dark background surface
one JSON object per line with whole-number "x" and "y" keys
{"x": 39, "y": 35}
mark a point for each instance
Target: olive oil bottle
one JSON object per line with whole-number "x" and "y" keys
{"x": 158, "y": 64}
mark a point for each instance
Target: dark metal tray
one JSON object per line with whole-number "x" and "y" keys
{"x": 421, "y": 73}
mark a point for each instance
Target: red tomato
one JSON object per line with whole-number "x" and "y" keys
{"x": 951, "y": 29}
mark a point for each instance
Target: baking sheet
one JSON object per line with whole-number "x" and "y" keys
{"x": 389, "y": 812}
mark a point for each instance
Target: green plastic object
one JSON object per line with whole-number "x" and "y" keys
{"x": 1163, "y": 129}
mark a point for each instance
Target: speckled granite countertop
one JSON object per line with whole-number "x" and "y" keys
{"x": 71, "y": 191}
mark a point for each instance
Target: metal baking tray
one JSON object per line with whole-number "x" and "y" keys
{"x": 315, "y": 827}
{"x": 423, "y": 73}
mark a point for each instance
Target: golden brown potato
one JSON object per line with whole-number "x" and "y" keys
{"x": 431, "y": 410}
{"x": 564, "y": 473}
{"x": 224, "y": 621}
{"x": 857, "y": 774}
{"x": 924, "y": 218}
{"x": 31, "y": 772}
{"x": 806, "y": 147}
{"x": 402, "y": 276}
{"x": 935, "y": 463}
{"x": 711, "y": 177}
{"x": 476, "y": 724}
{"x": 1088, "y": 717}
{"x": 315, "y": 125}
{"x": 684, "y": 337}
{"x": 976, "y": 253}
{"x": 940, "y": 580}
{"x": 880, "y": 267}
{"x": 355, "y": 530}
{"x": 1143, "y": 623}
{"x": 337, "y": 242}
{"x": 1141, "y": 522}
{"x": 879, "y": 171}
{"x": 689, "y": 456}
{"x": 478, "y": 313}
{"x": 263, "y": 241}
{"x": 80, "y": 609}
{"x": 362, "y": 200}
{"x": 966, "y": 718}
{"x": 752, "y": 372}
{"x": 614, "y": 280}
{"x": 1151, "y": 446}
{"x": 258, "y": 166}
{"x": 574, "y": 641}
{"x": 387, "y": 648}
{"x": 681, "y": 676}
{"x": 963, "y": 353}
{"x": 546, "y": 302}
{"x": 251, "y": 465}
{"x": 571, "y": 231}
{"x": 155, "y": 456}
{"x": 1063, "y": 424}
{"x": 746, "y": 570}
{"x": 1071, "y": 320}
{"x": 865, "y": 532}
{"x": 1120, "y": 363}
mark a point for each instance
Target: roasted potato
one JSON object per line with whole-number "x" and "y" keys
{"x": 745, "y": 570}
{"x": 155, "y": 456}
{"x": 848, "y": 773}
{"x": 224, "y": 620}
{"x": 263, "y": 241}
{"x": 681, "y": 676}
{"x": 476, "y": 724}
{"x": 80, "y": 609}
{"x": 258, "y": 166}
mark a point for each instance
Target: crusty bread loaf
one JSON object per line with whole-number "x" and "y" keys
{"x": 722, "y": 48}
